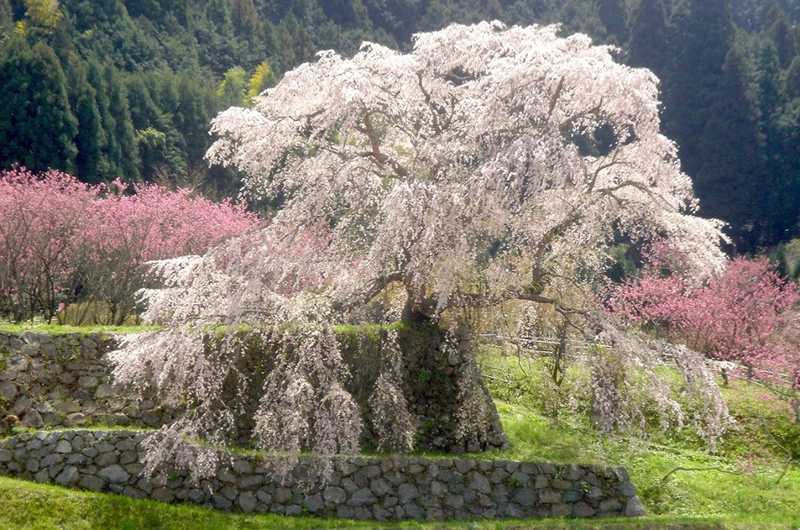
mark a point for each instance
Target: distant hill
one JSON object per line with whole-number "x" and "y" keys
{"x": 127, "y": 88}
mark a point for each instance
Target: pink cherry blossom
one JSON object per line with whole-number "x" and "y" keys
{"x": 62, "y": 240}
{"x": 743, "y": 315}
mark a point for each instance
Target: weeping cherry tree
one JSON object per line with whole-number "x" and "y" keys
{"x": 488, "y": 164}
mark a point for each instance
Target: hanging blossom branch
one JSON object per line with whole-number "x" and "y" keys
{"x": 613, "y": 389}
{"x": 205, "y": 370}
{"x": 743, "y": 317}
{"x": 391, "y": 419}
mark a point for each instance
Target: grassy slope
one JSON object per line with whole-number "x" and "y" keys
{"x": 738, "y": 484}
{"x": 740, "y": 493}
{"x": 732, "y": 495}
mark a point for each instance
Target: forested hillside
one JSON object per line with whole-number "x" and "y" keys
{"x": 114, "y": 88}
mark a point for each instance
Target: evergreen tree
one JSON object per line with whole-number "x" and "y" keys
{"x": 767, "y": 86}
{"x": 788, "y": 125}
{"x": 219, "y": 35}
{"x": 37, "y": 127}
{"x": 107, "y": 168}
{"x": 700, "y": 39}
{"x": 303, "y": 45}
{"x": 162, "y": 156}
{"x": 782, "y": 35}
{"x": 196, "y": 108}
{"x": 245, "y": 16}
{"x": 649, "y": 45}
{"x": 399, "y": 17}
{"x": 91, "y": 138}
{"x": 793, "y": 79}
{"x": 614, "y": 17}
{"x": 6, "y": 16}
{"x": 346, "y": 12}
{"x": 144, "y": 111}
{"x": 730, "y": 165}
{"x": 125, "y": 154}
{"x": 166, "y": 93}
{"x": 269, "y": 40}
{"x": 777, "y": 208}
{"x": 285, "y": 43}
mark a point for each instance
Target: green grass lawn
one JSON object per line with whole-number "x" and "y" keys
{"x": 738, "y": 487}
{"x": 746, "y": 482}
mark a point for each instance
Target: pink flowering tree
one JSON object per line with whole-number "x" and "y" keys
{"x": 736, "y": 316}
{"x": 742, "y": 316}
{"x": 487, "y": 164}
{"x": 62, "y": 240}
{"x": 41, "y": 226}
{"x": 660, "y": 294}
{"x": 781, "y": 370}
{"x": 148, "y": 223}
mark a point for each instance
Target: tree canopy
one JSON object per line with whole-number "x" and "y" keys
{"x": 485, "y": 164}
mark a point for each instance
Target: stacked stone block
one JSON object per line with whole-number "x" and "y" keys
{"x": 65, "y": 380}
{"x": 385, "y": 488}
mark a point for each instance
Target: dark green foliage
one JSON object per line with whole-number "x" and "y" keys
{"x": 107, "y": 168}
{"x": 648, "y": 46}
{"x": 37, "y": 126}
{"x": 710, "y": 112}
{"x": 192, "y": 115}
{"x": 6, "y": 16}
{"x": 125, "y": 153}
{"x": 729, "y": 154}
{"x": 91, "y": 138}
{"x": 755, "y": 15}
{"x": 702, "y": 35}
{"x": 626, "y": 262}
{"x": 614, "y": 17}
{"x": 787, "y": 130}
{"x": 782, "y": 35}
{"x": 779, "y": 206}
{"x": 155, "y": 135}
{"x": 143, "y": 79}
{"x": 793, "y": 79}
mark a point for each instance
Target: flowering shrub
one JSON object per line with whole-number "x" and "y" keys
{"x": 150, "y": 223}
{"x": 742, "y": 316}
{"x": 41, "y": 220}
{"x": 62, "y": 240}
{"x": 732, "y": 317}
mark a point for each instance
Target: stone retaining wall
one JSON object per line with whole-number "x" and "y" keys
{"x": 49, "y": 380}
{"x": 65, "y": 380}
{"x": 392, "y": 488}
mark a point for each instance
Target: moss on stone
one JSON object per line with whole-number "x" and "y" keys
{"x": 55, "y": 329}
